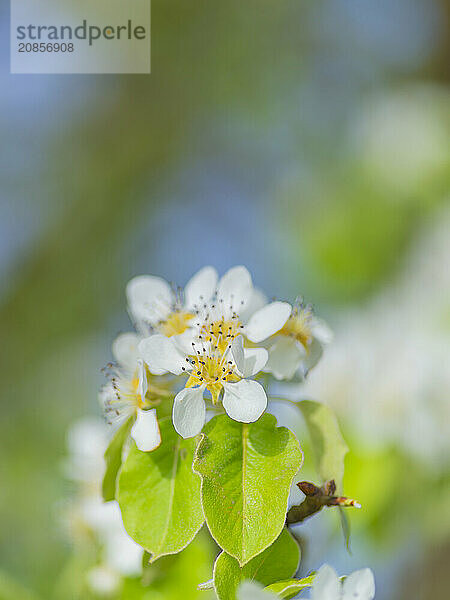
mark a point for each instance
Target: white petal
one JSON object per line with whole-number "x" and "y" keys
{"x": 244, "y": 401}
{"x": 249, "y": 361}
{"x": 161, "y": 355}
{"x": 122, "y": 553}
{"x": 125, "y": 350}
{"x": 103, "y": 581}
{"x": 142, "y": 378}
{"x": 87, "y": 441}
{"x": 255, "y": 360}
{"x": 257, "y": 300}
{"x": 321, "y": 331}
{"x": 313, "y": 355}
{"x": 145, "y": 430}
{"x": 267, "y": 321}
{"x": 326, "y": 585}
{"x": 235, "y": 288}
{"x": 189, "y": 411}
{"x": 248, "y": 590}
{"x": 237, "y": 350}
{"x": 149, "y": 298}
{"x": 99, "y": 515}
{"x": 360, "y": 585}
{"x": 285, "y": 357}
{"x": 201, "y": 287}
{"x": 183, "y": 341}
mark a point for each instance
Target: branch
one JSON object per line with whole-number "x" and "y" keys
{"x": 316, "y": 498}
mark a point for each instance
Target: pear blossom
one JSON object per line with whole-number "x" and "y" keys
{"x": 120, "y": 552}
{"x": 126, "y": 394}
{"x": 120, "y": 556}
{"x": 298, "y": 345}
{"x": 238, "y": 307}
{"x": 359, "y": 585}
{"x": 216, "y": 359}
{"x": 293, "y": 334}
{"x": 156, "y": 307}
{"x": 215, "y": 365}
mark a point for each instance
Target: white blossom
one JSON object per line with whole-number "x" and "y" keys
{"x": 125, "y": 395}
{"x": 298, "y": 345}
{"x": 214, "y": 367}
{"x": 216, "y": 359}
{"x": 359, "y": 585}
{"x": 120, "y": 555}
{"x": 156, "y": 307}
{"x": 103, "y": 581}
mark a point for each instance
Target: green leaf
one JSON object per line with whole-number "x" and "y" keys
{"x": 113, "y": 460}
{"x": 279, "y": 561}
{"x": 159, "y": 494}
{"x": 289, "y": 588}
{"x": 246, "y": 471}
{"x": 328, "y": 444}
{"x": 329, "y": 449}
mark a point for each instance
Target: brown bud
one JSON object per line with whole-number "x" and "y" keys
{"x": 309, "y": 489}
{"x": 330, "y": 487}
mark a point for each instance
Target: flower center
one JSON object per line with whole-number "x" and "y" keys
{"x": 211, "y": 368}
{"x": 222, "y": 332}
{"x": 298, "y": 326}
{"x": 133, "y": 395}
{"x": 176, "y": 323}
{"x": 126, "y": 398}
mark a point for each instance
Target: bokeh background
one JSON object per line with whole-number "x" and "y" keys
{"x": 309, "y": 141}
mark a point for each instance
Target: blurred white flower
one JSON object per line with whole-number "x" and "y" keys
{"x": 359, "y": 585}
{"x": 121, "y": 553}
{"x": 87, "y": 442}
{"x": 298, "y": 345}
{"x": 387, "y": 373}
{"x": 125, "y": 395}
{"x": 103, "y": 581}
{"x": 249, "y": 590}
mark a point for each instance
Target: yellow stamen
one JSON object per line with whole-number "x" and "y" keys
{"x": 221, "y": 333}
{"x": 176, "y": 323}
{"x": 134, "y": 396}
{"x": 211, "y": 371}
{"x": 298, "y": 327}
